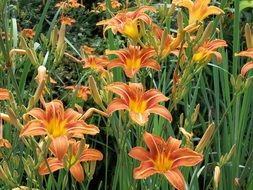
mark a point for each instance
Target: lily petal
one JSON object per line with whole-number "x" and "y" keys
{"x": 246, "y": 68}
{"x": 59, "y": 146}
{"x": 81, "y": 127}
{"x": 175, "y": 178}
{"x": 33, "y": 128}
{"x": 115, "y": 105}
{"x": 91, "y": 154}
{"x": 145, "y": 170}
{"x": 54, "y": 165}
{"x": 77, "y": 172}
{"x": 139, "y": 153}
{"x": 185, "y": 157}
{"x": 162, "y": 111}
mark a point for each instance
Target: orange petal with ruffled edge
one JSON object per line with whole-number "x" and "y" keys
{"x": 185, "y": 157}
{"x": 77, "y": 172}
{"x": 153, "y": 142}
{"x": 162, "y": 111}
{"x": 176, "y": 178}
{"x": 54, "y": 165}
{"x": 115, "y": 105}
{"x": 246, "y": 68}
{"x": 91, "y": 155}
{"x": 139, "y": 153}
{"x": 33, "y": 128}
{"x": 37, "y": 113}
{"x": 145, "y": 170}
{"x": 81, "y": 127}
{"x": 59, "y": 146}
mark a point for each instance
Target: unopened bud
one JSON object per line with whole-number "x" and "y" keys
{"x": 94, "y": 91}
{"x": 205, "y": 140}
{"x": 216, "y": 177}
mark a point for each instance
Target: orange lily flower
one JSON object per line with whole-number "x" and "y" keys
{"x": 73, "y": 160}
{"x": 57, "y": 124}
{"x": 198, "y": 10}
{"x": 248, "y": 65}
{"x": 96, "y": 63}
{"x": 4, "y": 94}
{"x": 139, "y": 103}
{"x": 87, "y": 50}
{"x": 163, "y": 158}
{"x": 101, "y": 6}
{"x": 82, "y": 91}
{"x": 132, "y": 59}
{"x": 28, "y": 33}
{"x": 169, "y": 45}
{"x": 67, "y": 20}
{"x": 68, "y": 5}
{"x": 205, "y": 52}
{"x": 127, "y": 23}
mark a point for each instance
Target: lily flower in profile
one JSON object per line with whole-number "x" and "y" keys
{"x": 127, "y": 23}
{"x": 248, "y": 65}
{"x": 204, "y": 52}
{"x": 67, "y": 20}
{"x": 198, "y": 10}
{"x": 28, "y": 33}
{"x": 138, "y": 102}
{"x": 56, "y": 123}
{"x": 82, "y": 91}
{"x": 132, "y": 59}
{"x": 96, "y": 63}
{"x": 73, "y": 156}
{"x": 163, "y": 158}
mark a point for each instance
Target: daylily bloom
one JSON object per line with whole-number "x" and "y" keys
{"x": 166, "y": 42}
{"x": 248, "y": 65}
{"x": 163, "y": 158}
{"x": 82, "y": 91}
{"x": 101, "y": 6}
{"x": 68, "y": 5}
{"x": 138, "y": 102}
{"x": 96, "y": 63}
{"x": 56, "y": 123}
{"x": 4, "y": 94}
{"x": 133, "y": 58}
{"x": 67, "y": 20}
{"x": 71, "y": 160}
{"x": 87, "y": 50}
{"x": 198, "y": 10}
{"x": 28, "y": 33}
{"x": 204, "y": 52}
{"x": 127, "y": 23}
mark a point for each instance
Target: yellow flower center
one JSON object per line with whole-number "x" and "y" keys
{"x": 162, "y": 163}
{"x": 56, "y": 127}
{"x": 197, "y": 57}
{"x": 131, "y": 29}
{"x": 137, "y": 106}
{"x": 133, "y": 63}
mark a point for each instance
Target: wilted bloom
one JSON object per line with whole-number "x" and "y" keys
{"x": 56, "y": 123}
{"x": 67, "y": 20}
{"x": 198, "y": 10}
{"x": 71, "y": 160}
{"x": 4, "y": 94}
{"x": 127, "y": 23}
{"x": 248, "y": 65}
{"x": 163, "y": 158}
{"x": 138, "y": 102}
{"x": 28, "y": 33}
{"x": 87, "y": 50}
{"x": 133, "y": 58}
{"x": 204, "y": 52}
{"x": 96, "y": 63}
{"x": 82, "y": 91}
